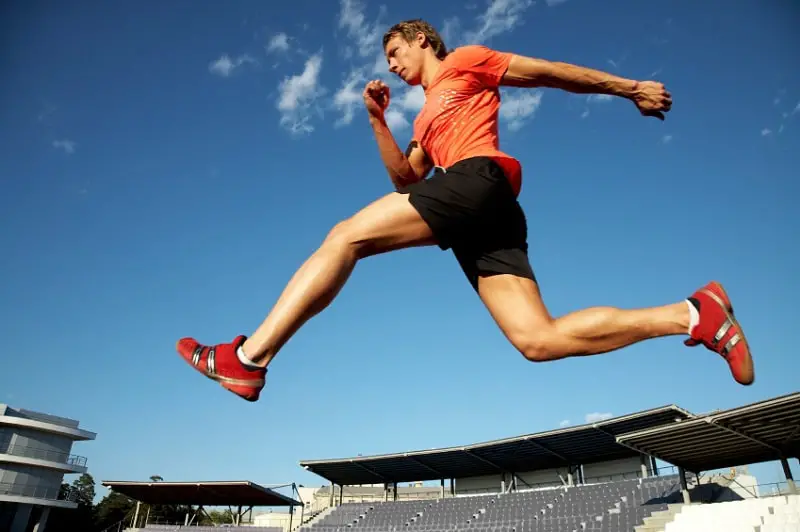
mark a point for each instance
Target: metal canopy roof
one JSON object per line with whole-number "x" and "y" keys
{"x": 233, "y": 493}
{"x": 584, "y": 444}
{"x": 760, "y": 432}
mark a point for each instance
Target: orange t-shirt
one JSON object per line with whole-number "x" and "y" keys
{"x": 459, "y": 118}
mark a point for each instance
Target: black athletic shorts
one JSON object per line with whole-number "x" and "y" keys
{"x": 471, "y": 209}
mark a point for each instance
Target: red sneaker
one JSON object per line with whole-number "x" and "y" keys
{"x": 221, "y": 363}
{"x": 719, "y": 331}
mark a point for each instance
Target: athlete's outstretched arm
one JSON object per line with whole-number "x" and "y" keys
{"x": 650, "y": 97}
{"x": 403, "y": 168}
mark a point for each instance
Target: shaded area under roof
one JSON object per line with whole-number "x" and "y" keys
{"x": 584, "y": 444}
{"x": 760, "y": 432}
{"x": 223, "y": 493}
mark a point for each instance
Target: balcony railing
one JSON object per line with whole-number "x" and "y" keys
{"x": 27, "y": 451}
{"x": 38, "y": 492}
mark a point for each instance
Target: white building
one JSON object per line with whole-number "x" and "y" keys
{"x": 35, "y": 454}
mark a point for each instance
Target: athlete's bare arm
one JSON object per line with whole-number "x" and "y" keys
{"x": 403, "y": 168}
{"x": 650, "y": 97}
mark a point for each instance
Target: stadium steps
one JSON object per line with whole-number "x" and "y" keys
{"x": 657, "y": 521}
{"x": 319, "y": 516}
{"x": 779, "y": 513}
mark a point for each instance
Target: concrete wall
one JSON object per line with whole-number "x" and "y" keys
{"x": 615, "y": 469}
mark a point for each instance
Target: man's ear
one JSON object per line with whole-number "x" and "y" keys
{"x": 422, "y": 40}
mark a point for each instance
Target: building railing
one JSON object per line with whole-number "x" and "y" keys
{"x": 27, "y": 451}
{"x": 37, "y": 492}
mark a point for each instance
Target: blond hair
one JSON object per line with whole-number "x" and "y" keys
{"x": 408, "y": 29}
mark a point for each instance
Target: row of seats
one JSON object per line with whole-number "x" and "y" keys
{"x": 204, "y": 528}
{"x": 609, "y": 507}
{"x": 769, "y": 514}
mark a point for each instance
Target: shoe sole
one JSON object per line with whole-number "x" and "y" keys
{"x": 222, "y": 380}
{"x": 729, "y": 314}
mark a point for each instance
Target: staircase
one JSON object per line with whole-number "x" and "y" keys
{"x": 658, "y": 520}
{"x": 311, "y": 519}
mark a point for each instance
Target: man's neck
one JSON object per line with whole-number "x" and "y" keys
{"x": 429, "y": 70}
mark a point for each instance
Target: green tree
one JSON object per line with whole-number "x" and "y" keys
{"x": 112, "y": 509}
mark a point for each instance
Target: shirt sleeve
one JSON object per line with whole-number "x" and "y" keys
{"x": 487, "y": 64}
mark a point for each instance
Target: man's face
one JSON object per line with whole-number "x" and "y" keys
{"x": 405, "y": 59}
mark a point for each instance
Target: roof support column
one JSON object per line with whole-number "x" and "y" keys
{"x": 330, "y": 501}
{"x": 441, "y": 492}
{"x": 394, "y": 489}
{"x": 789, "y": 478}
{"x": 503, "y": 482}
{"x": 643, "y": 461}
{"x": 684, "y": 487}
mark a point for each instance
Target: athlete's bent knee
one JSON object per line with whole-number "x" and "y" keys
{"x": 346, "y": 235}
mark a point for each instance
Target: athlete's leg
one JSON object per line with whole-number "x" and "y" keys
{"x": 516, "y": 305}
{"x": 387, "y": 224}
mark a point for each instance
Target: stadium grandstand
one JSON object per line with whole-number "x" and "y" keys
{"x": 658, "y": 470}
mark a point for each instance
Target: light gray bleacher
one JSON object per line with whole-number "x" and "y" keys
{"x": 609, "y": 507}
{"x": 203, "y": 528}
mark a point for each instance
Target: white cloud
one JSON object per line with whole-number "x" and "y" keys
{"x": 412, "y": 99}
{"x": 597, "y": 416}
{"x": 278, "y": 43}
{"x": 396, "y": 120}
{"x": 564, "y": 423}
{"x": 500, "y": 17}
{"x": 367, "y": 36}
{"x": 599, "y": 98}
{"x": 766, "y": 131}
{"x": 66, "y": 145}
{"x": 224, "y": 65}
{"x": 666, "y": 139}
{"x": 348, "y": 97}
{"x": 519, "y": 107}
{"x": 298, "y": 95}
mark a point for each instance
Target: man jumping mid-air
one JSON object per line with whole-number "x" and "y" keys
{"x": 469, "y": 204}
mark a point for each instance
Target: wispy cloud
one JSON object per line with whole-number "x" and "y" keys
{"x": 347, "y": 99}
{"x": 766, "y": 132}
{"x": 597, "y": 416}
{"x": 518, "y": 108}
{"x": 278, "y": 43}
{"x": 564, "y": 423}
{"x": 500, "y": 17}
{"x": 599, "y": 98}
{"x": 366, "y": 35}
{"x": 298, "y": 95}
{"x": 65, "y": 145}
{"x": 396, "y": 120}
{"x": 225, "y": 66}
{"x": 666, "y": 139}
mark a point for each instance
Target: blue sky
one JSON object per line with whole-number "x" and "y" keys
{"x": 165, "y": 169}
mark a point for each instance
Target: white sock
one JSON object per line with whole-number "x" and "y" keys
{"x": 244, "y": 360}
{"x": 694, "y": 316}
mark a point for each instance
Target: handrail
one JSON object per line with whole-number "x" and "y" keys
{"x": 34, "y": 491}
{"x": 29, "y": 451}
